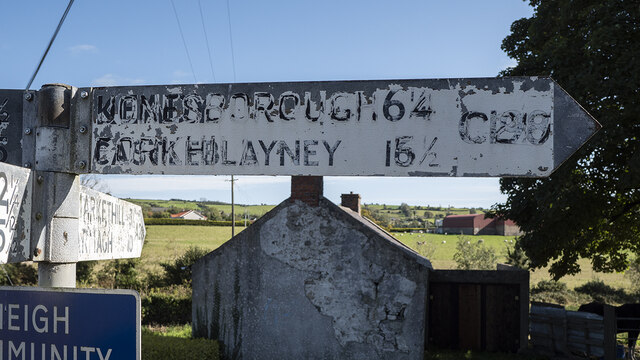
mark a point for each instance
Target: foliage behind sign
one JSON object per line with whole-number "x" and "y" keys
{"x": 590, "y": 207}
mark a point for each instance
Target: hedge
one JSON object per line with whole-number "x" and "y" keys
{"x": 164, "y": 221}
{"x": 158, "y": 347}
{"x": 167, "y": 306}
{"x": 407, "y": 230}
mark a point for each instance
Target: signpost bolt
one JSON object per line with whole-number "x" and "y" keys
{"x": 28, "y": 96}
{"x": 83, "y": 129}
{"x": 27, "y": 131}
{"x": 38, "y": 216}
{"x": 82, "y": 164}
{"x": 84, "y": 94}
{"x": 40, "y": 179}
{"x": 27, "y": 165}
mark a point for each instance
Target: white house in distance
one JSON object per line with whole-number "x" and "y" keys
{"x": 189, "y": 215}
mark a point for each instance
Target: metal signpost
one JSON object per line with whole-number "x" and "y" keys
{"x": 523, "y": 126}
{"x": 48, "y": 217}
{"x": 74, "y": 324}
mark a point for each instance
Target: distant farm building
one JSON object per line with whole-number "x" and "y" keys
{"x": 479, "y": 225}
{"x": 189, "y": 215}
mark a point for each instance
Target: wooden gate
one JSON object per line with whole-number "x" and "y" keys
{"x": 478, "y": 315}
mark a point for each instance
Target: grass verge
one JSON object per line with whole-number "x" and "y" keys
{"x": 175, "y": 343}
{"x": 477, "y": 355}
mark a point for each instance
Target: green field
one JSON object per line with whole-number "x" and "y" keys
{"x": 446, "y": 247}
{"x": 394, "y": 210}
{"x": 165, "y": 243}
{"x": 252, "y": 210}
{"x": 423, "y": 215}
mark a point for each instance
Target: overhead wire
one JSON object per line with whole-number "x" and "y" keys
{"x": 233, "y": 59}
{"x": 233, "y": 64}
{"x": 173, "y": 6}
{"x": 53, "y": 37}
{"x": 206, "y": 38}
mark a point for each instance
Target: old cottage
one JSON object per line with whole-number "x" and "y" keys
{"x": 313, "y": 280}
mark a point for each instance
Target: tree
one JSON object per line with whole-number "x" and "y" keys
{"x": 516, "y": 256}
{"x": 405, "y": 210}
{"x": 179, "y": 271}
{"x": 376, "y": 216}
{"x": 633, "y": 274}
{"x": 474, "y": 255}
{"x": 590, "y": 207}
{"x": 18, "y": 274}
{"x": 120, "y": 274}
{"x": 84, "y": 271}
{"x": 94, "y": 182}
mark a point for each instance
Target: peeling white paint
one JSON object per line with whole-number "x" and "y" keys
{"x": 110, "y": 228}
{"x": 15, "y": 213}
{"x": 477, "y": 127}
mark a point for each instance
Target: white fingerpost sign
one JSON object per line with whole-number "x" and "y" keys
{"x": 523, "y": 126}
{"x": 110, "y": 228}
{"x": 15, "y": 213}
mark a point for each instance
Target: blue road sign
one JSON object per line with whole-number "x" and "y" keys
{"x": 69, "y": 324}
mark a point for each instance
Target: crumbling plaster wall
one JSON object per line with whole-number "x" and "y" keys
{"x": 312, "y": 282}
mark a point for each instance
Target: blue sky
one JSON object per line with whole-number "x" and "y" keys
{"x": 139, "y": 42}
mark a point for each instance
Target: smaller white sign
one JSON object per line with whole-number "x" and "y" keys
{"x": 15, "y": 213}
{"x": 110, "y": 228}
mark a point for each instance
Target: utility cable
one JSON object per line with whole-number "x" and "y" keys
{"x": 183, "y": 40}
{"x": 55, "y": 33}
{"x": 206, "y": 38}
{"x": 233, "y": 59}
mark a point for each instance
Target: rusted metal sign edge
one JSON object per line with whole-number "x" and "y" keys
{"x": 11, "y": 126}
{"x": 481, "y": 127}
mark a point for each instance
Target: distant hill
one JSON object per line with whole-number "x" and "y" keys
{"x": 176, "y": 205}
{"x": 387, "y": 215}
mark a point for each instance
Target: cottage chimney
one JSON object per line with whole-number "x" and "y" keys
{"x": 351, "y": 201}
{"x": 307, "y": 189}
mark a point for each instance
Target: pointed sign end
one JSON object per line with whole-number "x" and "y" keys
{"x": 573, "y": 126}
